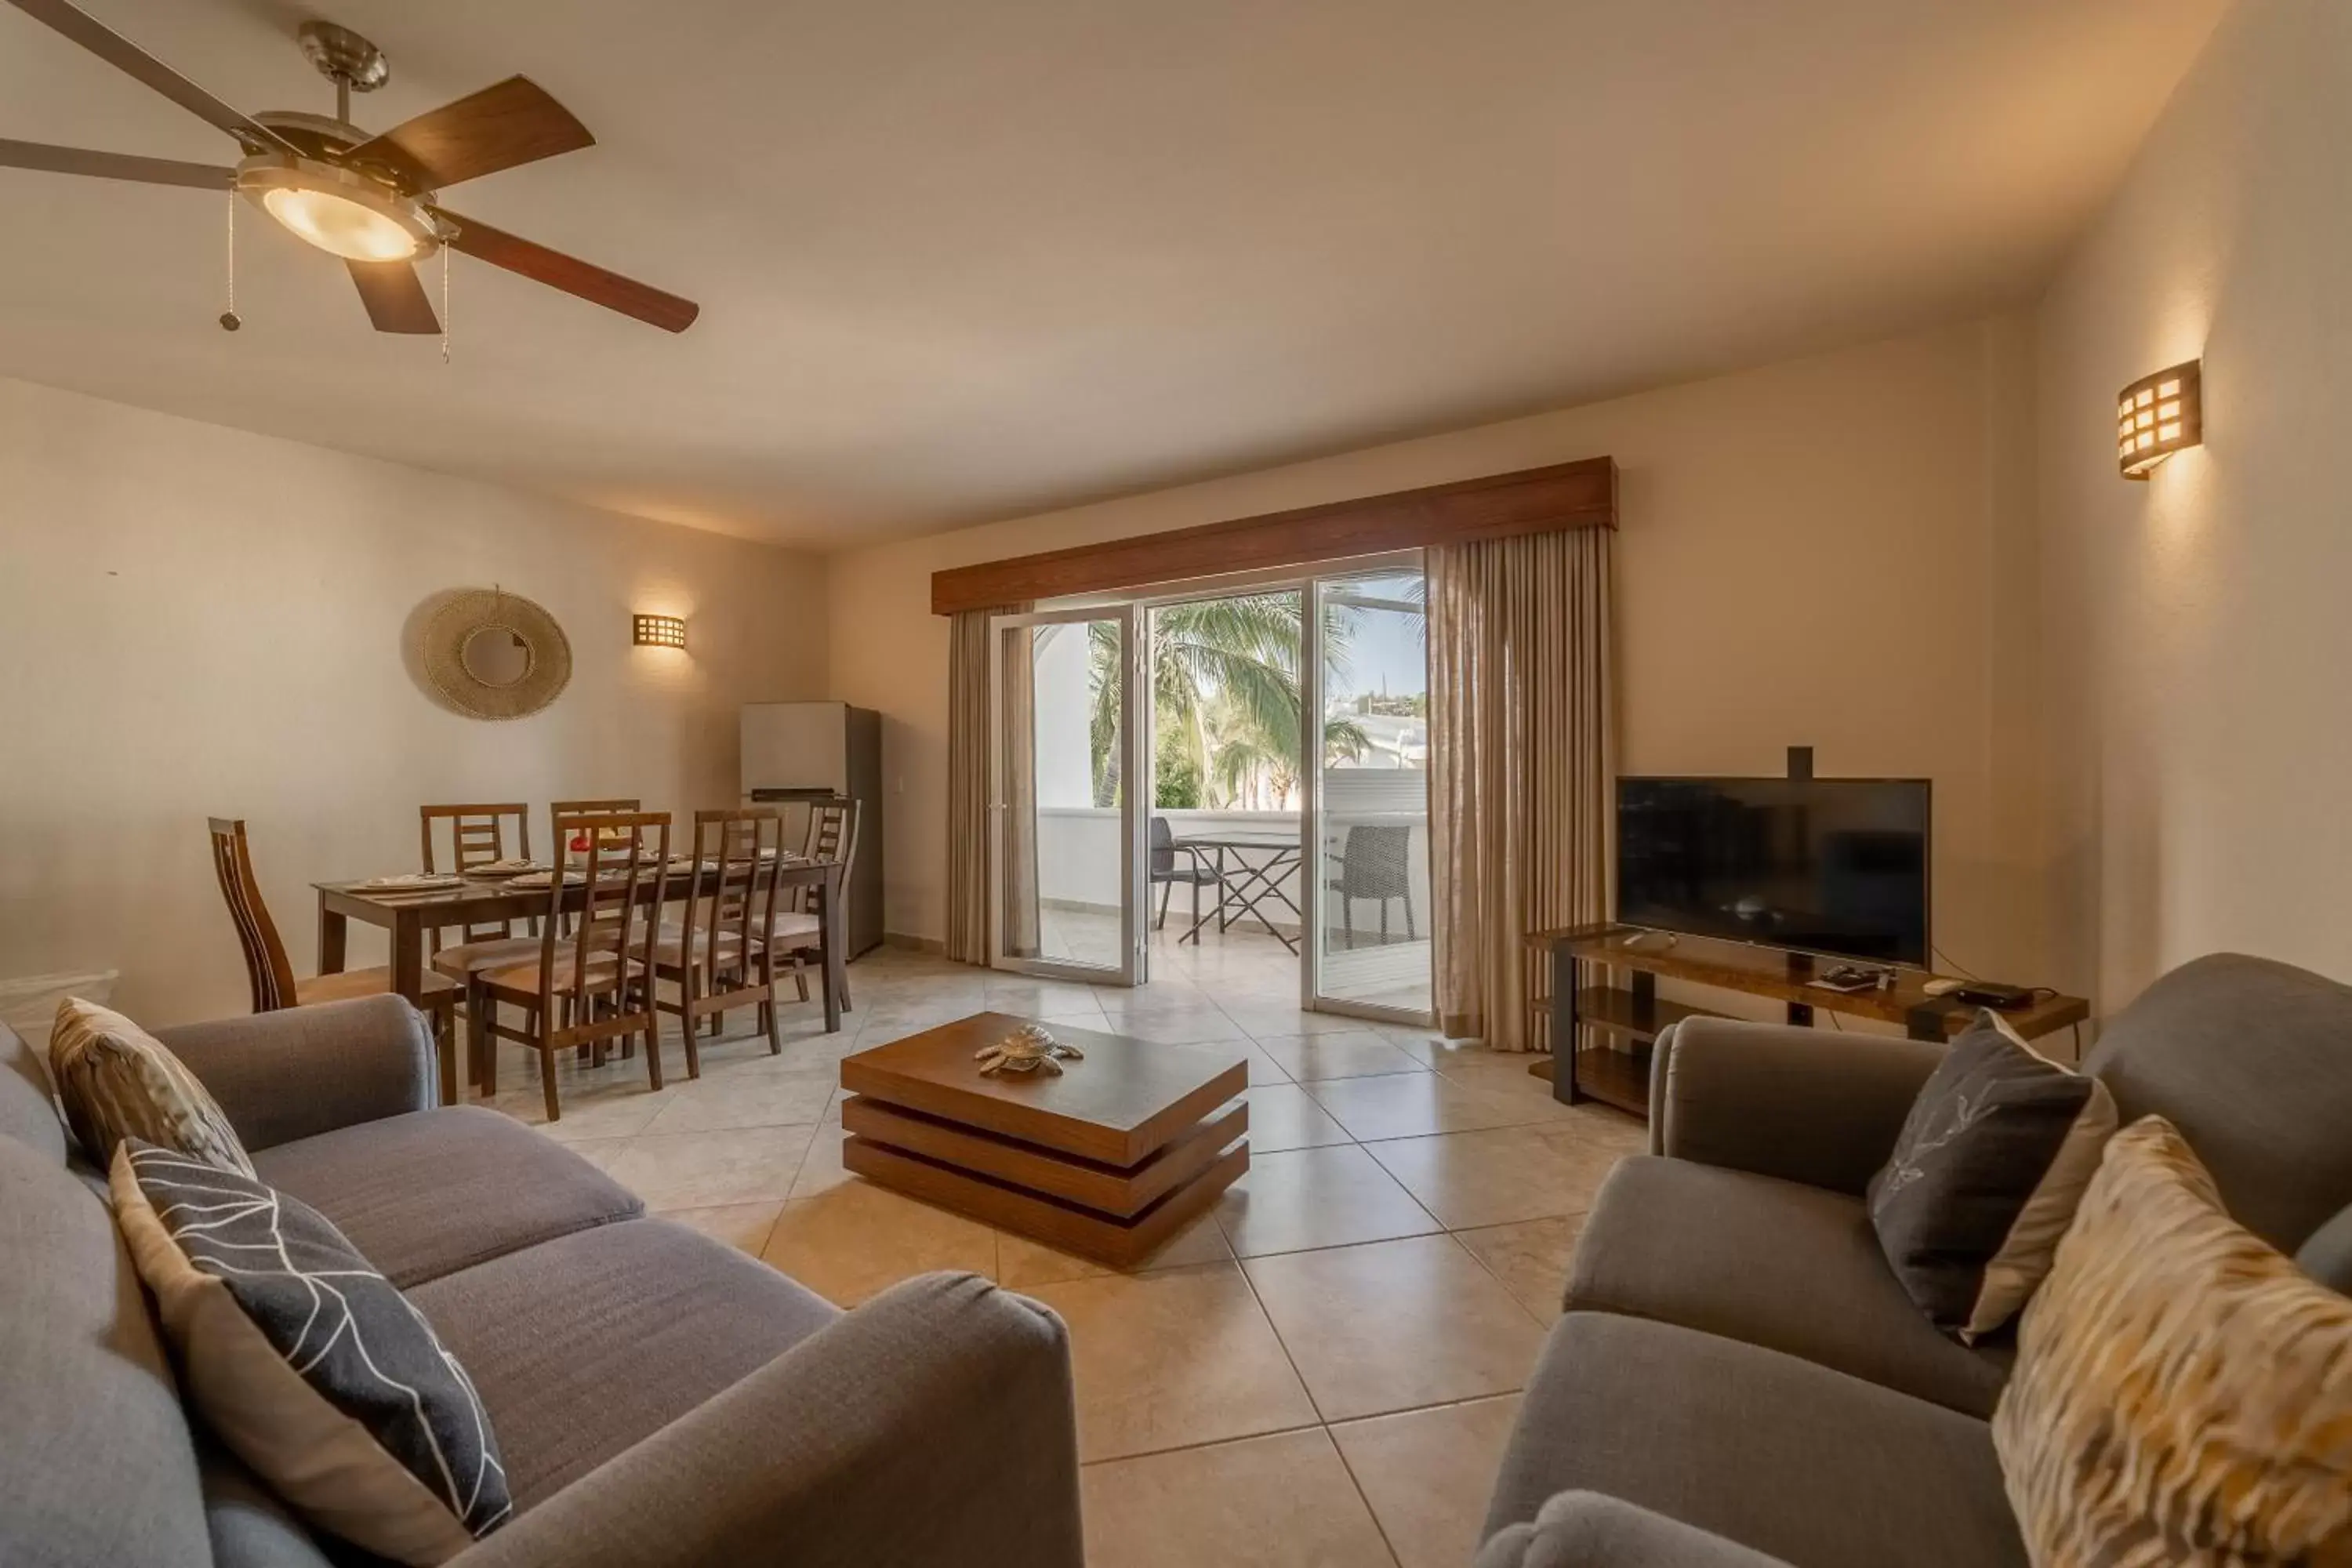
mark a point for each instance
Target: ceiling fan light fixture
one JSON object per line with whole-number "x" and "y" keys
{"x": 340, "y": 212}
{"x": 333, "y": 223}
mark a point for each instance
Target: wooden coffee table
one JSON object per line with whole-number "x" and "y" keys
{"x": 1109, "y": 1160}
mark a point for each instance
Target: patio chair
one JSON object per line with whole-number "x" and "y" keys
{"x": 1166, "y": 873}
{"x": 1376, "y": 863}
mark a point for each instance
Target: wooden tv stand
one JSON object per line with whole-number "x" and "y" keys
{"x": 1636, "y": 1015}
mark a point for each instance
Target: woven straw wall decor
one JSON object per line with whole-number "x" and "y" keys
{"x": 495, "y": 654}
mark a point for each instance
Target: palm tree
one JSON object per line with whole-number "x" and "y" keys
{"x": 1224, "y": 685}
{"x": 1258, "y": 770}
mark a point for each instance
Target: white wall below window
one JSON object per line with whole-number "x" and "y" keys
{"x": 1078, "y": 853}
{"x": 196, "y": 621}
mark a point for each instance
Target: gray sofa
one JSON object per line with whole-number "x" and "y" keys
{"x": 1739, "y": 1382}
{"x": 659, "y": 1398}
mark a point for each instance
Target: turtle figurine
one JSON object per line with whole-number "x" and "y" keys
{"x": 1026, "y": 1049}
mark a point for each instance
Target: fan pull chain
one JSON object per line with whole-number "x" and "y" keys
{"x": 228, "y": 318}
{"x": 445, "y": 304}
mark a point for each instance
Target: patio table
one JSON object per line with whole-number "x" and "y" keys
{"x": 1262, "y": 857}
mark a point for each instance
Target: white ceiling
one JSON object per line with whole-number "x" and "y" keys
{"x": 963, "y": 260}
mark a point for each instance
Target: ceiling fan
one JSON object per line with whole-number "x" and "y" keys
{"x": 368, "y": 198}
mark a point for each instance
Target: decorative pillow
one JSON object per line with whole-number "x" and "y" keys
{"x": 116, "y": 1081}
{"x": 2182, "y": 1394}
{"x": 1985, "y": 1176}
{"x": 308, "y": 1363}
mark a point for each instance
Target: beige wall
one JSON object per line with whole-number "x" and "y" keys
{"x": 1817, "y": 553}
{"x": 2200, "y": 644}
{"x": 197, "y": 621}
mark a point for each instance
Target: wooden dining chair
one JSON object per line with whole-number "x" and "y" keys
{"x": 798, "y": 929}
{"x": 557, "y": 811}
{"x": 478, "y": 834}
{"x": 478, "y": 837}
{"x": 559, "y": 848}
{"x": 266, "y": 964}
{"x": 595, "y": 983}
{"x": 830, "y": 823}
{"x": 719, "y": 957}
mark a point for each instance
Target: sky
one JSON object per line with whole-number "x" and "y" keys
{"x": 1387, "y": 650}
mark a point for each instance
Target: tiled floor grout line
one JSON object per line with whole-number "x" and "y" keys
{"x": 1509, "y": 1294}
{"x": 1395, "y": 1557}
{"x": 1295, "y": 1428}
{"x": 1290, "y": 1431}
{"x": 1354, "y": 1481}
{"x": 1241, "y": 1265}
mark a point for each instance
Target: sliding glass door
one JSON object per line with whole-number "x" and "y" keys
{"x": 1368, "y": 947}
{"x": 1067, "y": 766}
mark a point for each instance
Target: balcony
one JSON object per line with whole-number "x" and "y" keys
{"x": 1078, "y": 887}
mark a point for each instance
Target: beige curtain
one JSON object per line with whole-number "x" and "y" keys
{"x": 1523, "y": 756}
{"x": 968, "y": 708}
{"x": 1018, "y": 714}
{"x": 968, "y": 786}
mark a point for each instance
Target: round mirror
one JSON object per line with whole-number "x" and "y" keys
{"x": 495, "y": 656}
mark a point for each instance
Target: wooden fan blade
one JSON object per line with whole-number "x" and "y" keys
{"x": 514, "y": 122}
{"x": 113, "y": 166}
{"x": 395, "y": 296}
{"x": 130, "y": 60}
{"x": 572, "y": 275}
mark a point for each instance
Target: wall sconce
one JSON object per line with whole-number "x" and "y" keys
{"x": 2158, "y": 415}
{"x": 659, "y": 631}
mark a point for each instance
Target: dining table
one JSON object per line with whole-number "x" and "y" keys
{"x": 409, "y": 915}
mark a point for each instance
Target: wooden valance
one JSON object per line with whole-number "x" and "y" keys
{"x": 1552, "y": 499}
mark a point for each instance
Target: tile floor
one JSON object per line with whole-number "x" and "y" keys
{"x": 1357, "y": 966}
{"x": 1323, "y": 1372}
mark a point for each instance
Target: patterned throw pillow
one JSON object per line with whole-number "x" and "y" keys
{"x": 1985, "y": 1176}
{"x": 308, "y": 1363}
{"x": 2183, "y": 1393}
{"x": 116, "y": 1081}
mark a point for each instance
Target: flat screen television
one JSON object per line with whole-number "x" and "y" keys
{"x": 1827, "y": 865}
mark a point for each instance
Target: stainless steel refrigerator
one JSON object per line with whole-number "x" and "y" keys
{"x": 795, "y": 752}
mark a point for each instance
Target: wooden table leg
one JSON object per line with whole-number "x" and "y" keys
{"x": 479, "y": 1041}
{"x": 333, "y": 931}
{"x": 408, "y": 955}
{"x": 836, "y": 940}
{"x": 1563, "y": 1025}
{"x": 444, "y": 1044}
{"x": 1925, "y": 1022}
